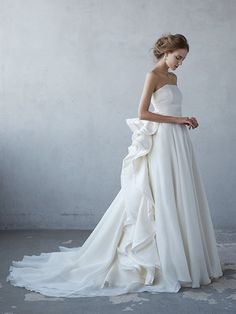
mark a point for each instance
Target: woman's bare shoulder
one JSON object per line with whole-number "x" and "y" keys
{"x": 153, "y": 73}
{"x": 154, "y": 77}
{"x": 160, "y": 75}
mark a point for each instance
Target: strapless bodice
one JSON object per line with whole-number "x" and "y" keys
{"x": 167, "y": 100}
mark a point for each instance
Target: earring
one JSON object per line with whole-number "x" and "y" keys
{"x": 165, "y": 57}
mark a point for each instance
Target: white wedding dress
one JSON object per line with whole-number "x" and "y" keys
{"x": 157, "y": 234}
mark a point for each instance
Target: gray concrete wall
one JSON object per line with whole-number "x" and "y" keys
{"x": 71, "y": 72}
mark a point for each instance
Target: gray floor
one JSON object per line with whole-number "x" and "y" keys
{"x": 218, "y": 297}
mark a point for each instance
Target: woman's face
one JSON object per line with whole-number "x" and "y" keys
{"x": 175, "y": 58}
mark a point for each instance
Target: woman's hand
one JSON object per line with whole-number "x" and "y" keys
{"x": 191, "y": 122}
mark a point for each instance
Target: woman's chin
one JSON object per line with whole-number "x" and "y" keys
{"x": 173, "y": 68}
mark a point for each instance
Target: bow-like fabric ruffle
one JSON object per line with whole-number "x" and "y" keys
{"x": 139, "y": 243}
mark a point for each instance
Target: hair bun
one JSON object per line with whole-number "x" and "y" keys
{"x": 169, "y": 42}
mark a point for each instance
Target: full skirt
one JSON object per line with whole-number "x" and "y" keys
{"x": 157, "y": 235}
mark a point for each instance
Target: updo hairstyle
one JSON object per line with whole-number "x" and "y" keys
{"x": 168, "y": 43}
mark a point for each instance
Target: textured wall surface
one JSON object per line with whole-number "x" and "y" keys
{"x": 72, "y": 71}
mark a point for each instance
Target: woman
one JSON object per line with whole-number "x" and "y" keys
{"x": 157, "y": 234}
